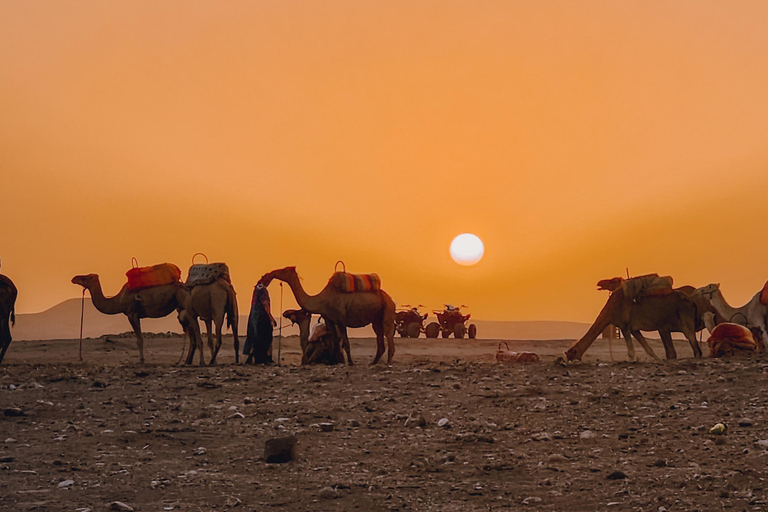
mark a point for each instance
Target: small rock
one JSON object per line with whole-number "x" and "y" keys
{"x": 233, "y": 502}
{"x": 416, "y": 420}
{"x": 746, "y": 422}
{"x": 326, "y": 427}
{"x": 329, "y": 493}
{"x": 587, "y": 434}
{"x": 762, "y": 443}
{"x": 444, "y": 423}
{"x": 200, "y": 451}
{"x": 616, "y": 475}
{"x": 247, "y": 400}
{"x": 119, "y": 505}
{"x": 6, "y": 458}
{"x": 66, "y": 483}
{"x": 10, "y": 440}
{"x": 237, "y": 416}
{"x": 556, "y": 457}
{"x": 13, "y": 411}
{"x": 353, "y": 423}
{"x": 531, "y": 499}
{"x": 541, "y": 436}
{"x": 280, "y": 449}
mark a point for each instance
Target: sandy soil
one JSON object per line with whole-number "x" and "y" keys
{"x": 598, "y": 435}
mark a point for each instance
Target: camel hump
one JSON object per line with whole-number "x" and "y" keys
{"x": 652, "y": 285}
{"x": 206, "y": 273}
{"x": 156, "y": 275}
{"x": 349, "y": 283}
{"x": 764, "y": 295}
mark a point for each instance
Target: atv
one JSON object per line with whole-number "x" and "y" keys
{"x": 451, "y": 321}
{"x": 409, "y": 322}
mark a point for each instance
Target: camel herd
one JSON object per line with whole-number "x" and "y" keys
{"x": 647, "y": 303}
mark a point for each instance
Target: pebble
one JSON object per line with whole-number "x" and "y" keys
{"x": 119, "y": 505}
{"x": 541, "y": 436}
{"x": 762, "y": 443}
{"x": 556, "y": 457}
{"x": 328, "y": 493}
{"x": 279, "y": 450}
{"x": 237, "y": 416}
{"x": 416, "y": 420}
{"x": 617, "y": 475}
{"x": 326, "y": 427}
{"x": 353, "y": 423}
{"x": 587, "y": 434}
{"x": 531, "y": 499}
{"x": 247, "y": 400}
{"x": 66, "y": 483}
{"x": 13, "y": 411}
{"x": 443, "y": 422}
{"x": 745, "y": 422}
{"x": 200, "y": 451}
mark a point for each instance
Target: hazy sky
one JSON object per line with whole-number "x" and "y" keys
{"x": 575, "y": 138}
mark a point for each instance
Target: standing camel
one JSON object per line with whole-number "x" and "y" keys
{"x": 154, "y": 302}
{"x": 752, "y": 314}
{"x": 344, "y": 309}
{"x": 210, "y": 302}
{"x": 673, "y": 312}
{"x": 8, "y": 295}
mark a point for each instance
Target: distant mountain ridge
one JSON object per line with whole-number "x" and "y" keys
{"x": 62, "y": 321}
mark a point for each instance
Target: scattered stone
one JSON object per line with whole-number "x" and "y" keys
{"x": 247, "y": 400}
{"x": 616, "y": 475}
{"x": 199, "y": 451}
{"x": 746, "y": 422}
{"x": 587, "y": 434}
{"x": 444, "y": 423}
{"x": 237, "y": 416}
{"x": 531, "y": 500}
{"x": 556, "y": 457}
{"x": 353, "y": 423}
{"x": 233, "y": 502}
{"x": 416, "y": 420}
{"x": 10, "y": 440}
{"x": 762, "y": 443}
{"x": 66, "y": 483}
{"x": 6, "y": 458}
{"x": 120, "y": 506}
{"x": 719, "y": 429}
{"x": 541, "y": 436}
{"x": 326, "y": 427}
{"x": 279, "y": 450}
{"x": 13, "y": 411}
{"x": 329, "y": 493}
{"x": 661, "y": 463}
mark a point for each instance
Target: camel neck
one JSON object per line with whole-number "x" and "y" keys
{"x": 722, "y": 307}
{"x": 106, "y": 305}
{"x": 304, "y": 300}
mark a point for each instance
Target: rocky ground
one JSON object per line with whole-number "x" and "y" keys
{"x": 443, "y": 428}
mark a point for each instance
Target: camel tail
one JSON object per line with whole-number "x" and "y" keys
{"x": 13, "y": 315}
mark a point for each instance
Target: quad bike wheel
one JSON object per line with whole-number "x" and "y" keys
{"x": 472, "y": 331}
{"x": 432, "y": 330}
{"x": 458, "y": 331}
{"x": 446, "y": 333}
{"x": 414, "y": 329}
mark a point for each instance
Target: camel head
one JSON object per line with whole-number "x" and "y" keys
{"x": 709, "y": 290}
{"x": 296, "y": 316}
{"x": 86, "y": 281}
{"x": 610, "y": 284}
{"x": 282, "y": 274}
{"x": 572, "y": 354}
{"x": 757, "y": 334}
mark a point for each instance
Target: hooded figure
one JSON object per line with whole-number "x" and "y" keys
{"x": 258, "y": 341}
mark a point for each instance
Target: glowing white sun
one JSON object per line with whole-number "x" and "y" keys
{"x": 467, "y": 249}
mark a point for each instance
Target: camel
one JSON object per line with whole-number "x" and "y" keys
{"x": 210, "y": 302}
{"x": 673, "y": 312}
{"x": 752, "y": 314}
{"x": 706, "y": 315}
{"x": 729, "y": 339}
{"x": 154, "y": 302}
{"x": 303, "y": 318}
{"x": 8, "y": 293}
{"x": 323, "y": 346}
{"x": 356, "y": 309}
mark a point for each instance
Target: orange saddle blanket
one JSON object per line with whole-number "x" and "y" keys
{"x": 349, "y": 283}
{"x": 156, "y": 275}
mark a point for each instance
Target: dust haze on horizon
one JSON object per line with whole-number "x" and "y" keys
{"x": 575, "y": 139}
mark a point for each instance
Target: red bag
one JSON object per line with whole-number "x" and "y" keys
{"x": 156, "y": 275}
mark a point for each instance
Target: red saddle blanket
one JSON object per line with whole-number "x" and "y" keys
{"x": 156, "y": 275}
{"x": 349, "y": 283}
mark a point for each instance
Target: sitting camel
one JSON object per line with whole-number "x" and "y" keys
{"x": 323, "y": 346}
{"x": 672, "y": 312}
{"x": 729, "y": 339}
{"x": 8, "y": 294}
{"x": 752, "y": 314}
{"x": 345, "y": 309}
{"x": 210, "y": 302}
{"x": 153, "y": 302}
{"x": 303, "y": 318}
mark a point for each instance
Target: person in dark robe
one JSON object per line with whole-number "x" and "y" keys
{"x": 258, "y": 341}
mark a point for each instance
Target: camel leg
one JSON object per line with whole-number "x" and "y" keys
{"x": 209, "y": 333}
{"x": 379, "y": 330}
{"x": 136, "y": 324}
{"x": 5, "y": 334}
{"x": 669, "y": 346}
{"x": 389, "y": 333}
{"x": 643, "y": 343}
{"x": 694, "y": 344}
{"x": 342, "y": 331}
{"x": 215, "y": 350}
{"x": 630, "y": 346}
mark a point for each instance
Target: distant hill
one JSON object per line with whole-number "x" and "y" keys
{"x": 63, "y": 322}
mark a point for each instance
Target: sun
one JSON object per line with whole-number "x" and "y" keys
{"x": 467, "y": 249}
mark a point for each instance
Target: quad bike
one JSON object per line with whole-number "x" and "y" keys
{"x": 409, "y": 322}
{"x": 451, "y": 321}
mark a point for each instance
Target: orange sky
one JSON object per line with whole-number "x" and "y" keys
{"x": 575, "y": 138}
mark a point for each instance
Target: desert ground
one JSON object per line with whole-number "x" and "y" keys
{"x": 602, "y": 434}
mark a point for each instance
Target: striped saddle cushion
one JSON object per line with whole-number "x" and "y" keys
{"x": 349, "y": 283}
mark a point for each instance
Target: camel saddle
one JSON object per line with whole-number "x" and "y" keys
{"x": 349, "y": 283}
{"x": 156, "y": 275}
{"x": 650, "y": 285}
{"x": 206, "y": 273}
